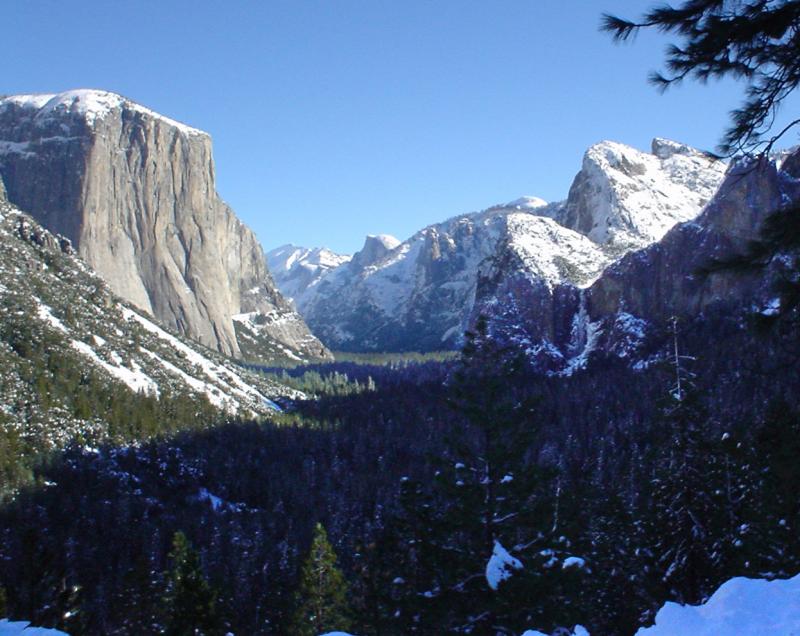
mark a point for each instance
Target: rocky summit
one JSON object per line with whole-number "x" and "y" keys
{"x": 135, "y": 193}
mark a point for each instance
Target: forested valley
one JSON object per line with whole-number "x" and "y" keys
{"x": 614, "y": 493}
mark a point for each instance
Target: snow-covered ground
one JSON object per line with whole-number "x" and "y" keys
{"x": 740, "y": 607}
{"x": 23, "y": 628}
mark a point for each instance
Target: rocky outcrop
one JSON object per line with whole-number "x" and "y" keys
{"x": 662, "y": 279}
{"x": 627, "y": 199}
{"x": 634, "y": 299}
{"x": 135, "y": 193}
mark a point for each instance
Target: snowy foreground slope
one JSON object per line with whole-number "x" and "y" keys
{"x": 740, "y": 607}
{"x": 23, "y": 628}
{"x": 52, "y": 304}
{"x": 420, "y": 294}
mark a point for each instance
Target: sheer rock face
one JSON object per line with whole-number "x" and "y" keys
{"x": 135, "y": 193}
{"x": 662, "y": 279}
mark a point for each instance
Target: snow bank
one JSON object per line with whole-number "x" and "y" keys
{"x": 8, "y": 628}
{"x": 740, "y": 607}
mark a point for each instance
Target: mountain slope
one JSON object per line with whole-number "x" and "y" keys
{"x": 421, "y": 294}
{"x": 135, "y": 193}
{"x": 70, "y": 350}
{"x": 627, "y": 199}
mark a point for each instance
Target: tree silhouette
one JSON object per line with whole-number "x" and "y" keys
{"x": 754, "y": 40}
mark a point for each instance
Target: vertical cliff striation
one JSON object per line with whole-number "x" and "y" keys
{"x": 135, "y": 193}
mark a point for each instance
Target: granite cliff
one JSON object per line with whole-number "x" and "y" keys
{"x": 135, "y": 193}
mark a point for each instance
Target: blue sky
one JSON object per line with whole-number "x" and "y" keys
{"x": 336, "y": 119}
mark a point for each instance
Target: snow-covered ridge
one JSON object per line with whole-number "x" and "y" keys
{"x": 627, "y": 197}
{"x": 90, "y": 104}
{"x": 547, "y": 249}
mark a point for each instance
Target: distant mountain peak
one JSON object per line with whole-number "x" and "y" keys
{"x": 376, "y": 246}
{"x": 526, "y": 203}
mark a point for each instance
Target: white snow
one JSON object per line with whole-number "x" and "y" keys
{"x": 554, "y": 253}
{"x": 772, "y": 308}
{"x": 637, "y": 197}
{"x": 45, "y": 313}
{"x": 500, "y": 566}
{"x": 217, "y": 503}
{"x": 526, "y": 203}
{"x": 740, "y": 607}
{"x": 92, "y": 105}
{"x": 223, "y": 379}
{"x": 584, "y": 337}
{"x": 135, "y": 378}
{"x": 579, "y": 630}
{"x": 15, "y": 628}
{"x": 573, "y": 562}
{"x": 387, "y": 240}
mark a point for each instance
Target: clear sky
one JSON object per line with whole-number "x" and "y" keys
{"x": 336, "y": 119}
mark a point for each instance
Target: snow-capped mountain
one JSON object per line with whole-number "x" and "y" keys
{"x": 422, "y": 294}
{"x": 294, "y": 269}
{"x": 56, "y": 311}
{"x": 627, "y": 199}
{"x": 135, "y": 193}
{"x": 637, "y": 295}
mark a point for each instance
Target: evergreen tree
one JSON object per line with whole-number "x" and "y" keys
{"x": 489, "y": 500}
{"x": 689, "y": 511}
{"x": 190, "y": 601}
{"x": 321, "y": 598}
{"x": 754, "y": 40}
